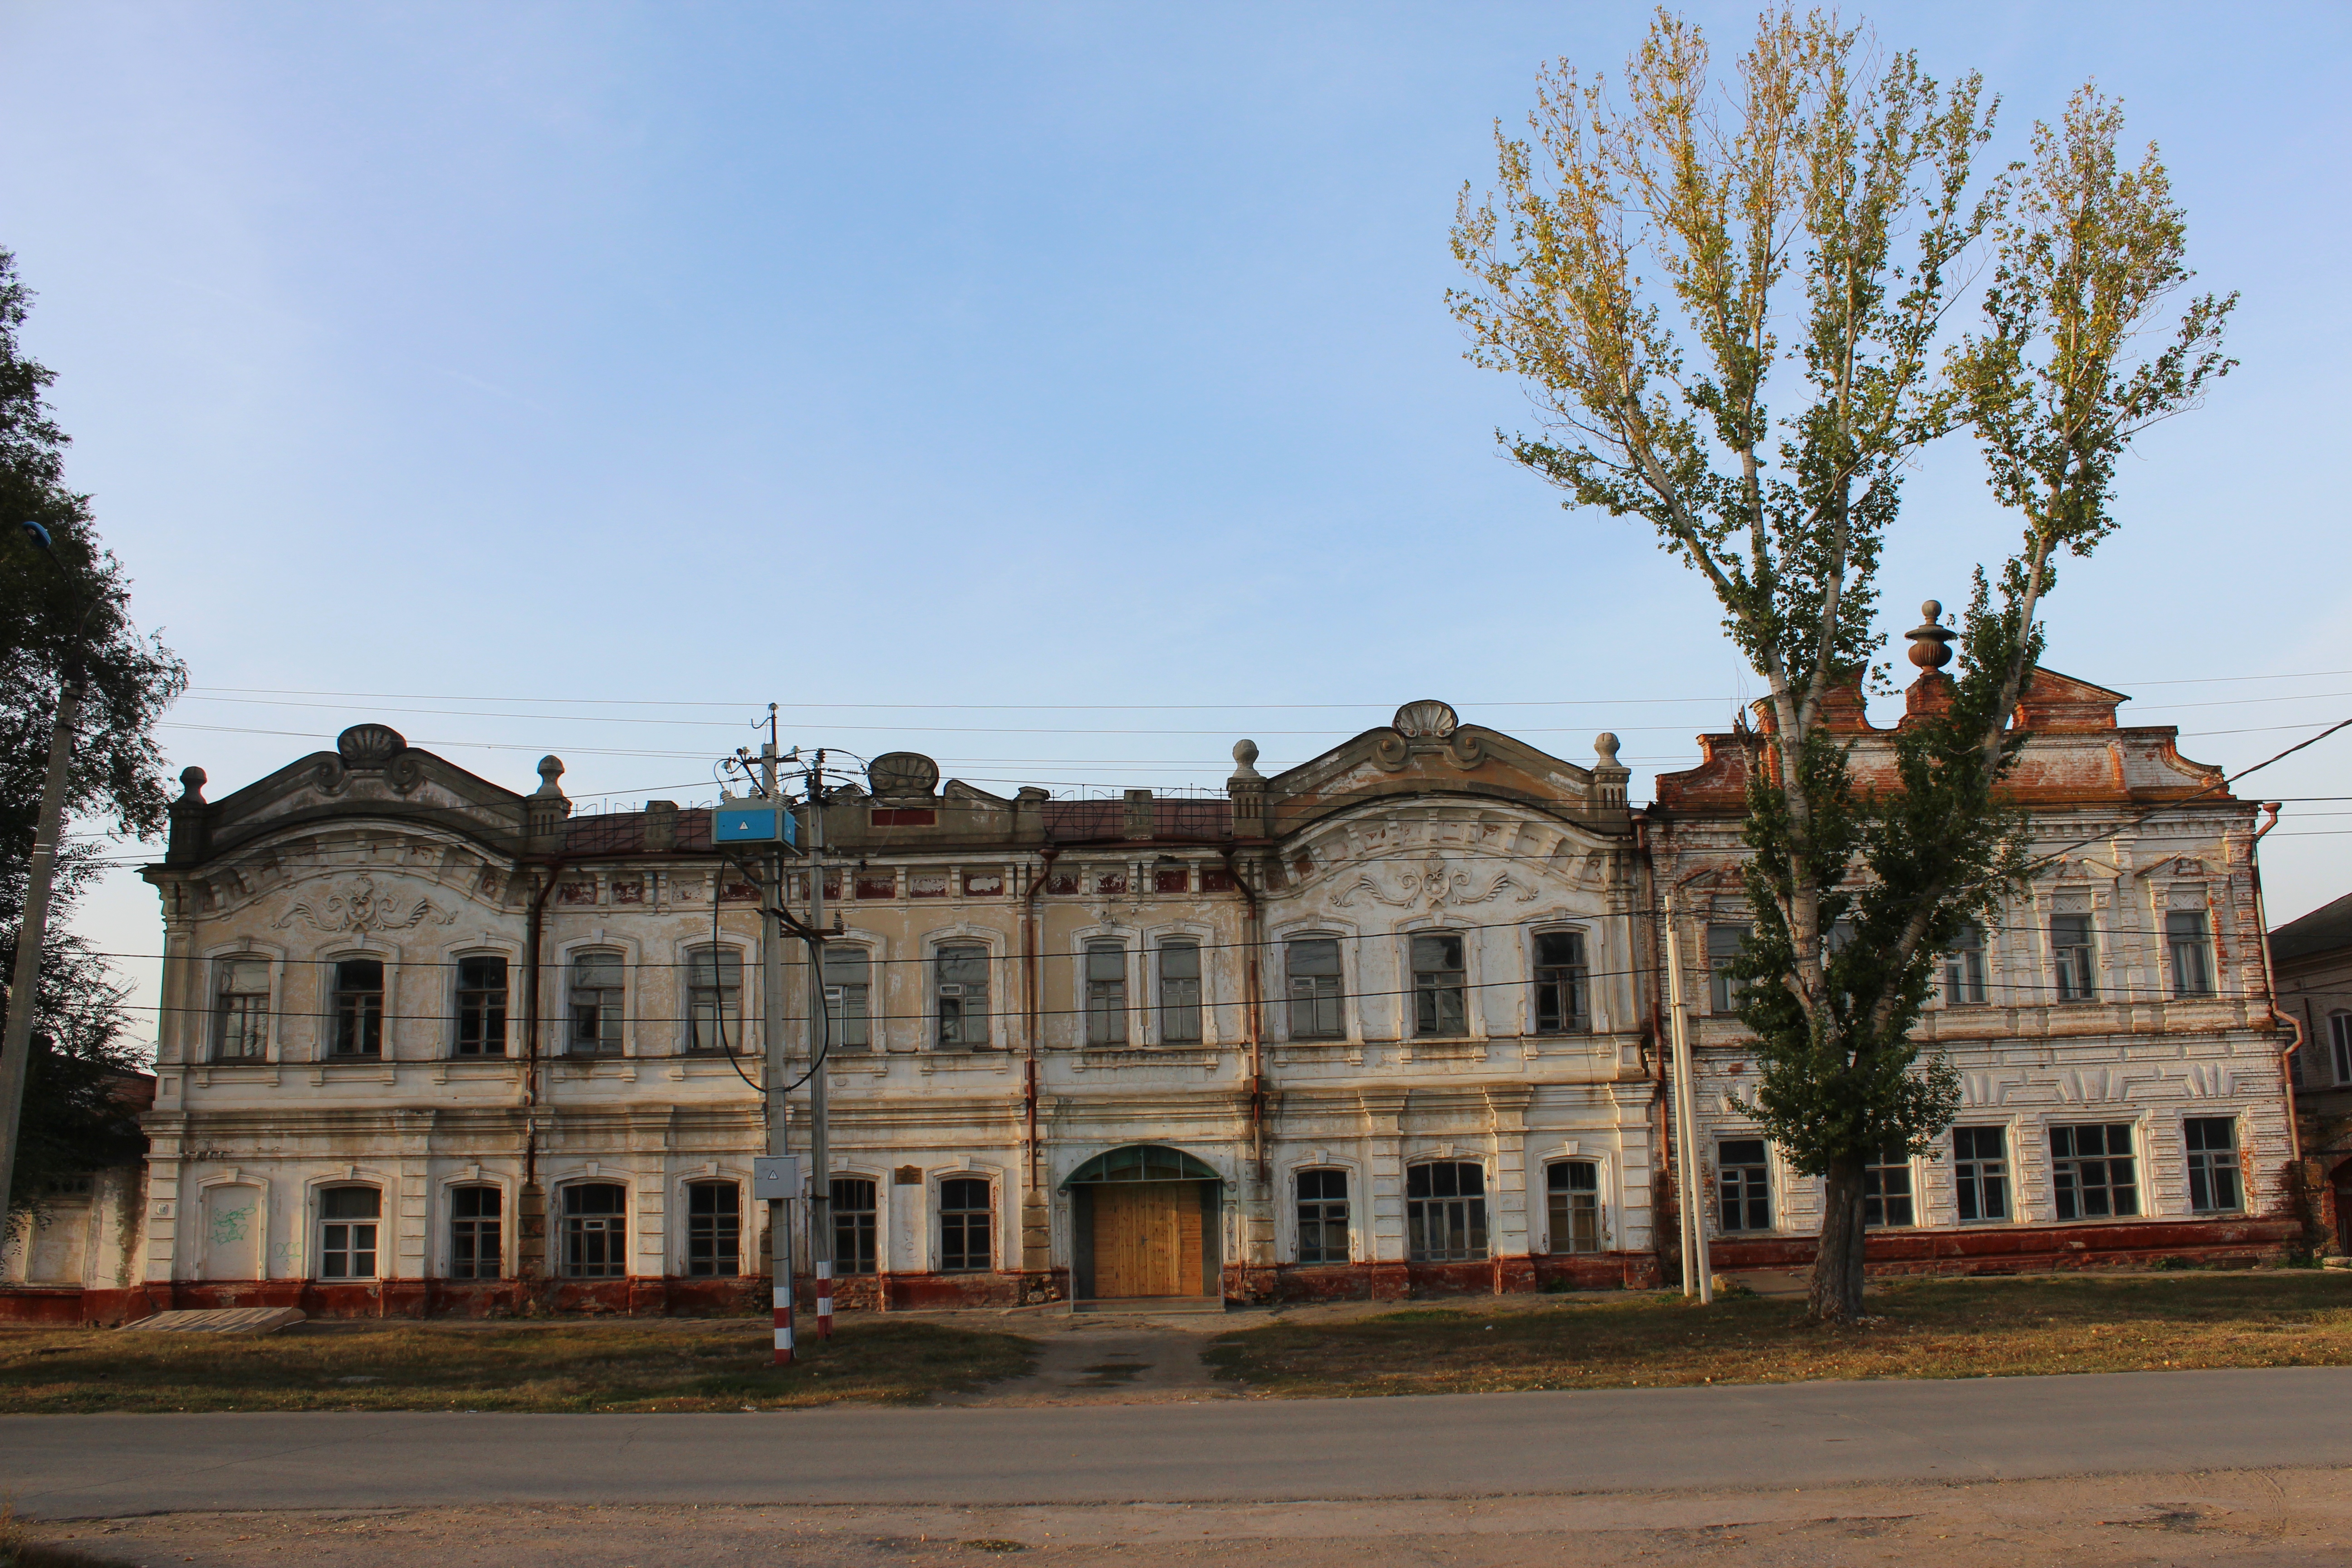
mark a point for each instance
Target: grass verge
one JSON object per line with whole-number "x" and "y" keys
{"x": 1927, "y": 1328}
{"x": 637, "y": 1366}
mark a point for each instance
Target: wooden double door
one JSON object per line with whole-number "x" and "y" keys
{"x": 1146, "y": 1239}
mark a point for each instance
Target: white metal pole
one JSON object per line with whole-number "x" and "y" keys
{"x": 771, "y": 1046}
{"x": 820, "y": 1043}
{"x": 1696, "y": 1269}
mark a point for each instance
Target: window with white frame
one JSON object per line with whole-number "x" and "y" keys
{"x": 1322, "y": 1198}
{"x": 965, "y": 1224}
{"x": 1105, "y": 998}
{"x": 1440, "y": 992}
{"x": 1572, "y": 1202}
{"x": 1964, "y": 969}
{"x": 714, "y": 1228}
{"x": 854, "y": 1225}
{"x": 241, "y": 1010}
{"x": 2189, "y": 951}
{"x": 714, "y": 999}
{"x": 961, "y": 995}
{"x": 1312, "y": 966}
{"x": 482, "y": 1006}
{"x": 1723, "y": 991}
{"x": 1446, "y": 1211}
{"x": 2072, "y": 958}
{"x": 1180, "y": 993}
{"x": 356, "y": 1011}
{"x": 475, "y": 1239}
{"x": 2214, "y": 1186}
{"x": 595, "y": 1230}
{"x": 1980, "y": 1173}
{"x": 1562, "y": 1005}
{"x": 1743, "y": 1186}
{"x": 348, "y": 1219}
{"x": 2092, "y": 1173}
{"x": 598, "y": 993}
{"x": 849, "y": 981}
{"x": 1886, "y": 1191}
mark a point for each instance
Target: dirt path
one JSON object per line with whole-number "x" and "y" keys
{"x": 1109, "y": 1361}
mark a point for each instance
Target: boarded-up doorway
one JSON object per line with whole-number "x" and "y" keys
{"x": 1146, "y": 1239}
{"x": 232, "y": 1218}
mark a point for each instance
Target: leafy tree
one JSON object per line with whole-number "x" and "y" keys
{"x": 47, "y": 608}
{"x": 1808, "y": 223}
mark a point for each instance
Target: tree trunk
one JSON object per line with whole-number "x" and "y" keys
{"x": 1836, "y": 1295}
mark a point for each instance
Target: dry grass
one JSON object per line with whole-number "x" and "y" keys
{"x": 1986, "y": 1327}
{"x": 636, "y": 1366}
{"x": 19, "y": 1550}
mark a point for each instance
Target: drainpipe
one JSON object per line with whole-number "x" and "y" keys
{"x": 1251, "y": 1021}
{"x": 1034, "y": 1003}
{"x": 2271, "y": 809}
{"x": 531, "y": 1201}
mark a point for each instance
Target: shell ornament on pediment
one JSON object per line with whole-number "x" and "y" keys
{"x": 359, "y": 907}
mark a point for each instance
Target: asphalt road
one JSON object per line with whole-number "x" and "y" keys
{"x": 1793, "y": 1434}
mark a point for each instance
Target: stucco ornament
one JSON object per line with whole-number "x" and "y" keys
{"x": 359, "y": 907}
{"x": 1438, "y": 882}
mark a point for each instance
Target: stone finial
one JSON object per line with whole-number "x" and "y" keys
{"x": 1244, "y": 763}
{"x": 1931, "y": 643}
{"x": 1605, "y": 746}
{"x": 550, "y": 768}
{"x": 192, "y": 781}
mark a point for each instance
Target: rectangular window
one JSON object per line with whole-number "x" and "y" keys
{"x": 1312, "y": 964}
{"x": 596, "y": 1010}
{"x": 241, "y": 1020}
{"x": 474, "y": 1241}
{"x": 1886, "y": 1191}
{"x": 1723, "y": 945}
{"x": 595, "y": 1230}
{"x": 1573, "y": 1189}
{"x": 2340, "y": 1030}
{"x": 714, "y": 999}
{"x": 962, "y": 998}
{"x": 359, "y": 1007}
{"x": 348, "y": 1217}
{"x": 2092, "y": 1175}
{"x": 481, "y": 1007}
{"x": 1980, "y": 1173}
{"x": 964, "y": 1217}
{"x": 1964, "y": 970}
{"x": 1105, "y": 994}
{"x": 1322, "y": 1217}
{"x": 714, "y": 1228}
{"x": 852, "y": 1226}
{"x": 2213, "y": 1183}
{"x": 1445, "y": 1212}
{"x": 848, "y": 975}
{"x": 1180, "y": 993}
{"x": 1438, "y": 991}
{"x": 2190, "y": 945}
{"x": 1561, "y": 979}
{"x": 2071, "y": 956}
{"x": 1742, "y": 1184}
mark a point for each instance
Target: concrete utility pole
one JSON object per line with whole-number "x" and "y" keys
{"x": 820, "y": 1039}
{"x": 1697, "y": 1267}
{"x": 771, "y": 1046}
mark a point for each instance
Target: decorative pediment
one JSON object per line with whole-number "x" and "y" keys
{"x": 2053, "y": 703}
{"x": 358, "y": 906}
{"x": 1432, "y": 884}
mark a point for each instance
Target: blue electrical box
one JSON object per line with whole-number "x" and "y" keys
{"x": 754, "y": 822}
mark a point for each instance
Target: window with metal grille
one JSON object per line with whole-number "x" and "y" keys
{"x": 482, "y": 1006}
{"x": 714, "y": 1228}
{"x": 2070, "y": 958}
{"x": 241, "y": 1015}
{"x": 475, "y": 1250}
{"x": 2092, "y": 1172}
{"x": 962, "y": 995}
{"x": 1312, "y": 964}
{"x": 347, "y": 1231}
{"x": 854, "y": 1229}
{"x": 1561, "y": 981}
{"x": 1572, "y": 1194}
{"x": 1743, "y": 1186}
{"x": 1445, "y": 1212}
{"x": 2213, "y": 1183}
{"x": 714, "y": 999}
{"x": 1964, "y": 969}
{"x": 596, "y": 1005}
{"x": 2188, "y": 943}
{"x": 1322, "y": 1215}
{"x": 1438, "y": 990}
{"x": 1180, "y": 993}
{"x": 1723, "y": 944}
{"x": 1105, "y": 992}
{"x": 595, "y": 1230}
{"x": 358, "y": 1003}
{"x": 1980, "y": 1173}
{"x": 848, "y": 974}
{"x": 1886, "y": 1191}
{"x": 965, "y": 1221}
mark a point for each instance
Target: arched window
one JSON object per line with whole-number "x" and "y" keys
{"x": 1572, "y": 1188}
{"x": 714, "y": 999}
{"x": 853, "y": 1229}
{"x": 358, "y": 1015}
{"x": 241, "y": 1015}
{"x": 714, "y": 1228}
{"x": 1322, "y": 1215}
{"x": 849, "y": 977}
{"x": 597, "y": 1004}
{"x": 595, "y": 1230}
{"x": 1446, "y": 1211}
{"x": 475, "y": 1252}
{"x": 348, "y": 1219}
{"x": 964, "y": 1221}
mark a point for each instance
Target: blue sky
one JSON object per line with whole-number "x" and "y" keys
{"x": 1065, "y": 391}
